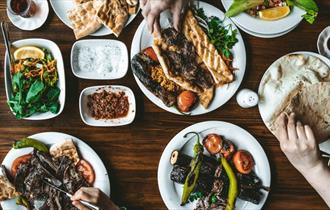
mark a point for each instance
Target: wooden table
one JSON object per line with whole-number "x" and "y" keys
{"x": 131, "y": 153}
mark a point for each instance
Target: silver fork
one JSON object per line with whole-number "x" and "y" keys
{"x": 5, "y": 35}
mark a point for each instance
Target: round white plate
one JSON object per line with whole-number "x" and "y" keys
{"x": 257, "y": 25}
{"x": 143, "y": 39}
{"x": 34, "y": 22}
{"x": 322, "y": 40}
{"x": 86, "y": 152}
{"x": 264, "y": 110}
{"x": 61, "y": 7}
{"x": 171, "y": 192}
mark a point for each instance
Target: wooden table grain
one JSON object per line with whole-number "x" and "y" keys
{"x": 131, "y": 153}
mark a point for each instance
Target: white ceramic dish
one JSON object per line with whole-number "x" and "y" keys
{"x": 89, "y": 120}
{"x": 322, "y": 41}
{"x": 92, "y": 43}
{"x": 56, "y": 52}
{"x": 143, "y": 39}
{"x": 31, "y": 23}
{"x": 171, "y": 192}
{"x": 61, "y": 7}
{"x": 101, "y": 175}
{"x": 263, "y": 110}
{"x": 259, "y": 26}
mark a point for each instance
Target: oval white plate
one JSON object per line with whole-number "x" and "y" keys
{"x": 89, "y": 120}
{"x": 257, "y": 25}
{"x": 86, "y": 152}
{"x": 143, "y": 39}
{"x": 61, "y": 7}
{"x": 34, "y": 22}
{"x": 171, "y": 192}
{"x": 56, "y": 52}
{"x": 264, "y": 110}
{"x": 115, "y": 74}
{"x": 322, "y": 40}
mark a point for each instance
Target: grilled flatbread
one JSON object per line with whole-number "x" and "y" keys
{"x": 114, "y": 15}
{"x": 65, "y": 148}
{"x": 206, "y": 50}
{"x": 206, "y": 97}
{"x": 81, "y": 1}
{"x": 84, "y": 19}
{"x": 7, "y": 189}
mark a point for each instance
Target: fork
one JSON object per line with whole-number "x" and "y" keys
{"x": 5, "y": 35}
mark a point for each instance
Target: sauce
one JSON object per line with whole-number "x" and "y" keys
{"x": 24, "y": 8}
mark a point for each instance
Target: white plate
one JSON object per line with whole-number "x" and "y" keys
{"x": 115, "y": 74}
{"x": 143, "y": 39}
{"x": 257, "y": 25}
{"x": 89, "y": 120}
{"x": 34, "y": 22}
{"x": 61, "y": 7}
{"x": 322, "y": 40}
{"x": 86, "y": 152}
{"x": 263, "y": 110}
{"x": 56, "y": 52}
{"x": 171, "y": 192}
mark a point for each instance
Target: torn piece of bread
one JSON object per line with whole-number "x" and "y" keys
{"x": 65, "y": 148}
{"x": 7, "y": 189}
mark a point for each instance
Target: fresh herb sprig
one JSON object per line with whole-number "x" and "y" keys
{"x": 223, "y": 37}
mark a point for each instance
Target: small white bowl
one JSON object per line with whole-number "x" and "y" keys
{"x": 322, "y": 42}
{"x": 92, "y": 43}
{"x": 56, "y": 52}
{"x": 89, "y": 120}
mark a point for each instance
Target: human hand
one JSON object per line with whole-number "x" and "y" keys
{"x": 298, "y": 143}
{"x": 94, "y": 196}
{"x": 151, "y": 10}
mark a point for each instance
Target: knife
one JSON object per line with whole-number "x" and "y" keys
{"x": 85, "y": 203}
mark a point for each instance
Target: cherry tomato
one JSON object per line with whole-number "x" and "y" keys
{"x": 150, "y": 53}
{"x": 228, "y": 149}
{"x": 213, "y": 143}
{"x": 243, "y": 161}
{"x": 19, "y": 161}
{"x": 186, "y": 100}
{"x": 86, "y": 170}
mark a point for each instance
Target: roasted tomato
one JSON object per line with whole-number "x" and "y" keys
{"x": 150, "y": 53}
{"x": 213, "y": 143}
{"x": 19, "y": 161}
{"x": 243, "y": 161}
{"x": 228, "y": 149}
{"x": 86, "y": 170}
{"x": 186, "y": 100}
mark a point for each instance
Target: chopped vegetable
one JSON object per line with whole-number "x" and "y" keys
{"x": 243, "y": 161}
{"x": 87, "y": 171}
{"x": 233, "y": 189}
{"x": 240, "y": 6}
{"x": 19, "y": 161}
{"x": 29, "y": 142}
{"x": 186, "y": 100}
{"x": 213, "y": 143}
{"x": 196, "y": 196}
{"x": 21, "y": 201}
{"x": 309, "y": 6}
{"x": 150, "y": 53}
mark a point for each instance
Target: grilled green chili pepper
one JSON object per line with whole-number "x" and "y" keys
{"x": 28, "y": 142}
{"x": 233, "y": 190}
{"x": 21, "y": 201}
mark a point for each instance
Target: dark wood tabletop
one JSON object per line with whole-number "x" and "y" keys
{"x": 131, "y": 153}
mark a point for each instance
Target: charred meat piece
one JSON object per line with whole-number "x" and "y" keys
{"x": 179, "y": 174}
{"x": 251, "y": 195}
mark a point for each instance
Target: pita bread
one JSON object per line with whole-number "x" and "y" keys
{"x": 81, "y": 1}
{"x": 65, "y": 148}
{"x": 206, "y": 50}
{"x": 84, "y": 19}
{"x": 114, "y": 15}
{"x": 206, "y": 97}
{"x": 7, "y": 189}
{"x": 311, "y": 104}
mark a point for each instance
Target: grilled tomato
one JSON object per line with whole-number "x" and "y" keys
{"x": 213, "y": 143}
{"x": 19, "y": 161}
{"x": 186, "y": 100}
{"x": 243, "y": 161}
{"x": 150, "y": 53}
{"x": 228, "y": 149}
{"x": 86, "y": 170}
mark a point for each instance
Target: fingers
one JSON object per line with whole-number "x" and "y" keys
{"x": 310, "y": 135}
{"x": 281, "y": 128}
{"x": 79, "y": 206}
{"x": 85, "y": 194}
{"x": 301, "y": 131}
{"x": 176, "y": 10}
{"x": 292, "y": 132}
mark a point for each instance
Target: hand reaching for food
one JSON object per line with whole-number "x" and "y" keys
{"x": 298, "y": 143}
{"x": 151, "y": 10}
{"x": 94, "y": 196}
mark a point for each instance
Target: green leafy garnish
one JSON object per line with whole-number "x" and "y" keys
{"x": 240, "y": 6}
{"x": 309, "y": 6}
{"x": 195, "y": 196}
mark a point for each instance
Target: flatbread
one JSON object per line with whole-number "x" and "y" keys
{"x": 84, "y": 19}
{"x": 81, "y": 1}
{"x": 114, "y": 15}
{"x": 7, "y": 189}
{"x": 206, "y": 50}
{"x": 65, "y": 148}
{"x": 206, "y": 97}
{"x": 311, "y": 104}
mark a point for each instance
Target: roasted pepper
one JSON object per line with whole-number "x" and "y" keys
{"x": 28, "y": 142}
{"x": 233, "y": 189}
{"x": 21, "y": 201}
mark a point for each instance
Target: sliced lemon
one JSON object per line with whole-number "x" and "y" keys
{"x": 274, "y": 13}
{"x": 28, "y": 52}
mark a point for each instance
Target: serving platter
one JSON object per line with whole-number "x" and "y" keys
{"x": 86, "y": 152}
{"x": 61, "y": 7}
{"x": 171, "y": 192}
{"x": 259, "y": 26}
{"x": 143, "y": 39}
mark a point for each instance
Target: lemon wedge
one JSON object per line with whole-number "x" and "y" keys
{"x": 28, "y": 52}
{"x": 274, "y": 13}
